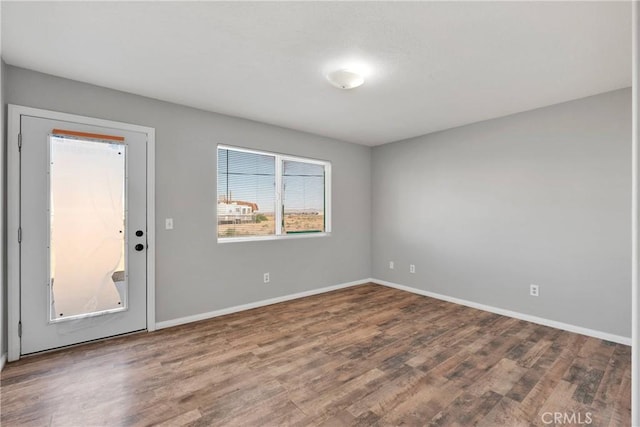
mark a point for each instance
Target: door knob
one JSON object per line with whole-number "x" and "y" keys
{"x": 139, "y": 233}
{"x": 139, "y": 247}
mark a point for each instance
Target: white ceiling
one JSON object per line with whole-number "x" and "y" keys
{"x": 433, "y": 65}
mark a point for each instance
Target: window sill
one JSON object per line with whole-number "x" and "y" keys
{"x": 273, "y": 237}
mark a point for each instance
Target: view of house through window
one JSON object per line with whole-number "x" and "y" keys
{"x": 266, "y": 195}
{"x": 246, "y": 194}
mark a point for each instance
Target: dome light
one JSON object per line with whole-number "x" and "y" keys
{"x": 345, "y": 79}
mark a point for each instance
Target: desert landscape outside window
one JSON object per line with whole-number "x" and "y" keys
{"x": 266, "y": 195}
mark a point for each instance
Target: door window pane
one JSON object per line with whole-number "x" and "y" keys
{"x": 87, "y": 227}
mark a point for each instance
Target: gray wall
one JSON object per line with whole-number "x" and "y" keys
{"x": 194, "y": 274}
{"x": 540, "y": 197}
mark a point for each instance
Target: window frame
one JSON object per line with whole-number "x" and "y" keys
{"x": 279, "y": 162}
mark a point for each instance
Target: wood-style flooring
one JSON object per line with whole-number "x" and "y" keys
{"x": 367, "y": 355}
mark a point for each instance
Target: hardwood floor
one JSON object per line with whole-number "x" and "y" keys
{"x": 365, "y": 356}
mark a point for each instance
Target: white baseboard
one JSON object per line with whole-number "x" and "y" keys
{"x": 249, "y": 306}
{"x": 3, "y": 361}
{"x": 521, "y": 316}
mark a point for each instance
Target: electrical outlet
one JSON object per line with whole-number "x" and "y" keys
{"x": 168, "y": 223}
{"x": 534, "y": 291}
{"x": 266, "y": 278}
{"x": 412, "y": 268}
{"x": 391, "y": 265}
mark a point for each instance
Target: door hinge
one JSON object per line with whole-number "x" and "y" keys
{"x": 20, "y": 329}
{"x": 19, "y": 234}
{"x": 19, "y": 142}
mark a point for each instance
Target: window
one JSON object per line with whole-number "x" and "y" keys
{"x": 270, "y": 196}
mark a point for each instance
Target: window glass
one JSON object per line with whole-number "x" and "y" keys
{"x": 267, "y": 195}
{"x": 246, "y": 194}
{"x": 303, "y": 197}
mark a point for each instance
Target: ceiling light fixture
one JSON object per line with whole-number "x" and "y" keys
{"x": 345, "y": 79}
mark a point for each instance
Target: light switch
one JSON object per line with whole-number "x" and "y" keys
{"x": 168, "y": 223}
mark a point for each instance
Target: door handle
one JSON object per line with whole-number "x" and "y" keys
{"x": 139, "y": 247}
{"x": 139, "y": 233}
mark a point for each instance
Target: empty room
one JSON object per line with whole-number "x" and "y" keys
{"x": 319, "y": 213}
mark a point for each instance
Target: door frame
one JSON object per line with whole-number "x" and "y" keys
{"x": 13, "y": 213}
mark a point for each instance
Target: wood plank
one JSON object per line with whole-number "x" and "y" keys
{"x": 499, "y": 379}
{"x": 466, "y": 410}
{"x": 506, "y": 413}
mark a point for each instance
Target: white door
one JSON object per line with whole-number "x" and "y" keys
{"x": 83, "y": 232}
